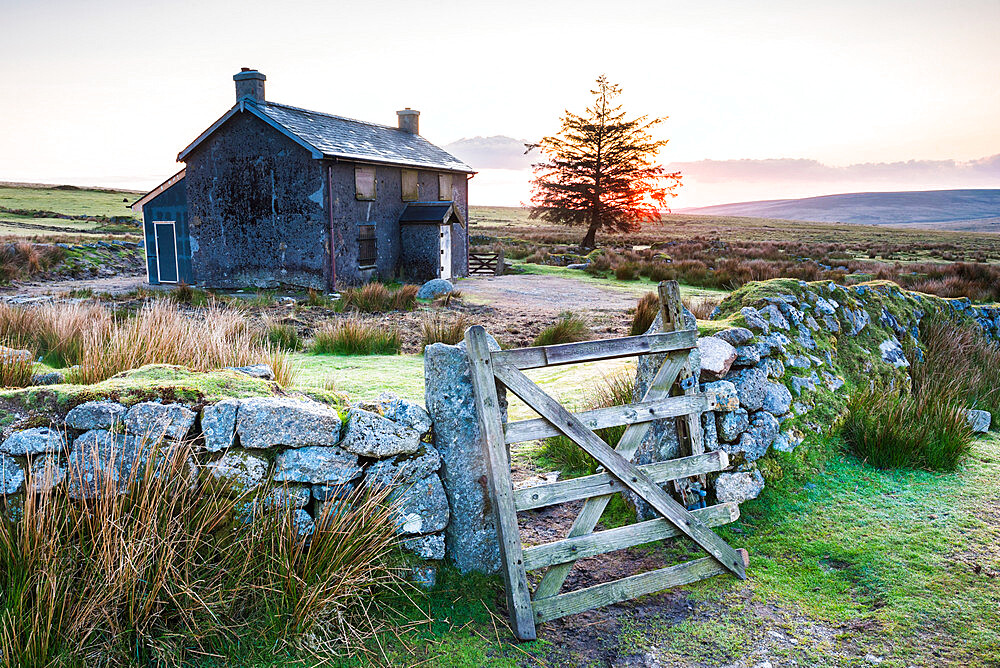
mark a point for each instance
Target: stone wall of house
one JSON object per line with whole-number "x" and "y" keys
{"x": 307, "y": 452}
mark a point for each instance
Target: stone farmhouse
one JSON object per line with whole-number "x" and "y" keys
{"x": 276, "y": 195}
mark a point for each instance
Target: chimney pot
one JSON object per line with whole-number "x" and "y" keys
{"x": 249, "y": 84}
{"x": 409, "y": 120}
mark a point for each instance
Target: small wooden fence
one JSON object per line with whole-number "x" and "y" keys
{"x": 485, "y": 264}
{"x": 673, "y": 393}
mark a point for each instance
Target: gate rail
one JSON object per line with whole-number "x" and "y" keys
{"x": 485, "y": 264}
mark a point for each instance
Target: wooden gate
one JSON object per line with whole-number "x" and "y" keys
{"x": 673, "y": 393}
{"x": 485, "y": 264}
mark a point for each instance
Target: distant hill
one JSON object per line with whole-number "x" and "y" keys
{"x": 959, "y": 210}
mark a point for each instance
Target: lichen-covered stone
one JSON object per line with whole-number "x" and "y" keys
{"x": 333, "y": 492}
{"x": 218, "y": 424}
{"x": 11, "y": 475}
{"x": 316, "y": 464}
{"x": 267, "y": 422}
{"x": 738, "y": 486}
{"x": 735, "y": 336}
{"x": 755, "y": 321}
{"x": 774, "y": 316}
{"x": 48, "y": 378}
{"x": 156, "y": 421}
{"x": 407, "y": 413}
{"x": 750, "y": 383}
{"x": 287, "y": 496}
{"x": 726, "y": 398}
{"x": 716, "y": 357}
{"x": 405, "y": 468}
{"x": 709, "y": 432}
{"x": 730, "y": 425}
{"x": 33, "y": 442}
{"x": 748, "y": 355}
{"x": 471, "y": 536}
{"x": 239, "y": 469}
{"x": 47, "y": 472}
{"x": 755, "y": 441}
{"x": 99, "y": 457}
{"x": 371, "y": 435}
{"x": 892, "y": 352}
{"x": 777, "y": 399}
{"x": 96, "y": 415}
{"x": 773, "y": 367}
{"x": 857, "y": 320}
{"x": 420, "y": 507}
{"x": 426, "y": 547}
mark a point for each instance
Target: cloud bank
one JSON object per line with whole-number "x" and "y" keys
{"x": 504, "y": 173}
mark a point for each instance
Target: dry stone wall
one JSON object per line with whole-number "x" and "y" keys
{"x": 308, "y": 453}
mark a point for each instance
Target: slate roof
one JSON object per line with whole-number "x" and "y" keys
{"x": 429, "y": 212}
{"x": 332, "y": 136}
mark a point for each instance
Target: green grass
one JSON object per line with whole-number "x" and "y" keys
{"x": 70, "y": 201}
{"x": 638, "y": 287}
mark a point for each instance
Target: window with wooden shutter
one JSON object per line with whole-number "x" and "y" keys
{"x": 367, "y": 246}
{"x": 364, "y": 183}
{"x": 411, "y": 191}
{"x": 444, "y": 187}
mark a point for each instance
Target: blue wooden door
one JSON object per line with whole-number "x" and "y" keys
{"x": 166, "y": 251}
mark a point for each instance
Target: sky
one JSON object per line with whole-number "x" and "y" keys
{"x": 765, "y": 99}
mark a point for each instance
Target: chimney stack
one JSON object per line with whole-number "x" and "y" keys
{"x": 249, "y": 84}
{"x": 409, "y": 120}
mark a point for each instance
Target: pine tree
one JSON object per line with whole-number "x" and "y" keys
{"x": 601, "y": 170}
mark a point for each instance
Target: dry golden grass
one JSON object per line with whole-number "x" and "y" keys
{"x": 159, "y": 573}
{"x": 102, "y": 344}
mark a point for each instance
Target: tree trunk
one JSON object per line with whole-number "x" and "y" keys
{"x": 589, "y": 240}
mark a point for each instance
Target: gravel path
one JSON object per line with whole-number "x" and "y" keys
{"x": 550, "y": 294}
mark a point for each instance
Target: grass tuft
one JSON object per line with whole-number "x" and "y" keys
{"x": 378, "y": 298}
{"x": 437, "y": 328}
{"x": 353, "y": 336}
{"x": 645, "y": 314}
{"x": 569, "y": 328}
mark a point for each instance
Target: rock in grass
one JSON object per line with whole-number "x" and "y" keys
{"x": 426, "y": 547}
{"x": 716, "y": 357}
{"x": 371, "y": 435}
{"x": 96, "y": 415}
{"x": 276, "y": 421}
{"x": 738, "y": 486}
{"x": 33, "y": 442}
{"x": 50, "y": 378}
{"x": 262, "y": 371}
{"x": 156, "y": 421}
{"x": 14, "y": 355}
{"x": 11, "y": 475}
{"x": 435, "y": 287}
{"x": 317, "y": 465}
{"x": 218, "y": 424}
{"x": 979, "y": 420}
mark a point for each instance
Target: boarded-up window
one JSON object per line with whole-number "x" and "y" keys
{"x": 364, "y": 183}
{"x": 444, "y": 186}
{"x": 367, "y": 248}
{"x": 411, "y": 193}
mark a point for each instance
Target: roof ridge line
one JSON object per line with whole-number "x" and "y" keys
{"x": 329, "y": 115}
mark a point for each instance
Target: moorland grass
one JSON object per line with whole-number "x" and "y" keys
{"x": 377, "y": 297}
{"x": 100, "y": 343}
{"x": 354, "y": 336}
{"x": 168, "y": 571}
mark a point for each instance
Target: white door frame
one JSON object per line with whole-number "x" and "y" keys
{"x": 156, "y": 240}
{"x": 445, "y": 252}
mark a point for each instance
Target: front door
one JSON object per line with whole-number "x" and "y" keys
{"x": 166, "y": 251}
{"x": 445, "y": 251}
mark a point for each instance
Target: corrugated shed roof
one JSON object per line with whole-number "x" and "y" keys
{"x": 336, "y": 136}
